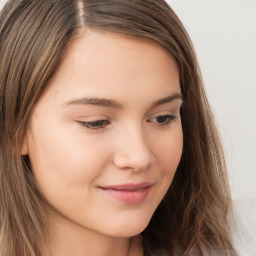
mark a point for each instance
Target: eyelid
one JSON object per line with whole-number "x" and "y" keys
{"x": 90, "y": 121}
{"x": 168, "y": 108}
{"x": 93, "y": 124}
{"x": 168, "y": 117}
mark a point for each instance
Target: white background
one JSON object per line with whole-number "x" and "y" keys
{"x": 224, "y": 36}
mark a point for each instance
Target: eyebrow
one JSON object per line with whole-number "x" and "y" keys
{"x": 103, "y": 102}
{"x": 167, "y": 99}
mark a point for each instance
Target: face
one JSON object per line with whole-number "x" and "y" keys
{"x": 105, "y": 138}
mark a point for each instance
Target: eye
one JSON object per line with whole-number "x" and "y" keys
{"x": 163, "y": 120}
{"x": 97, "y": 124}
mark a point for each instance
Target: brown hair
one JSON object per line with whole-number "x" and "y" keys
{"x": 33, "y": 37}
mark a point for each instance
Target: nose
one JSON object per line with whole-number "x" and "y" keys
{"x": 132, "y": 151}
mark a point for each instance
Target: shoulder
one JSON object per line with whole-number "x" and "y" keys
{"x": 243, "y": 226}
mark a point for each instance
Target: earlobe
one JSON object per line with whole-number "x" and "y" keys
{"x": 24, "y": 148}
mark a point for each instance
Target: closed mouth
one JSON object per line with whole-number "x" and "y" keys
{"x": 128, "y": 193}
{"x": 128, "y": 187}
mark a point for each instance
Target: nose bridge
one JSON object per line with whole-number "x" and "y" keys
{"x": 132, "y": 150}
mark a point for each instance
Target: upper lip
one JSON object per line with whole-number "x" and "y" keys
{"x": 129, "y": 186}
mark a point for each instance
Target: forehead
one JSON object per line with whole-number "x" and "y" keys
{"x": 106, "y": 64}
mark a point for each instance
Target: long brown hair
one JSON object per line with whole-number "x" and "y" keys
{"x": 33, "y": 36}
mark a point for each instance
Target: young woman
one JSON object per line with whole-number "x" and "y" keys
{"x": 108, "y": 144}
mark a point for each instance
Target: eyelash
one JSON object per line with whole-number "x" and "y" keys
{"x": 93, "y": 124}
{"x": 100, "y": 124}
{"x": 167, "y": 119}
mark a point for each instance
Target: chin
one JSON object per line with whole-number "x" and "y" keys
{"x": 130, "y": 229}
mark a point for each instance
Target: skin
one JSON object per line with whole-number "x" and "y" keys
{"x": 132, "y": 145}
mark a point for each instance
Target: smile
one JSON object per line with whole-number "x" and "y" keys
{"x": 128, "y": 193}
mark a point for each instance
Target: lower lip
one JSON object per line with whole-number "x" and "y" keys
{"x": 129, "y": 197}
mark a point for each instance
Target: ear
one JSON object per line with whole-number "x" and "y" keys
{"x": 24, "y": 147}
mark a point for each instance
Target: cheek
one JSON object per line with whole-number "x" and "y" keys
{"x": 168, "y": 152}
{"x": 62, "y": 160}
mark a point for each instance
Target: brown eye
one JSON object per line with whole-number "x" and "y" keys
{"x": 163, "y": 120}
{"x": 98, "y": 124}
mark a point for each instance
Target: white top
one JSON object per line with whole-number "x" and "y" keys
{"x": 244, "y": 228}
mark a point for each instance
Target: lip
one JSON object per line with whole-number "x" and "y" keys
{"x": 128, "y": 193}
